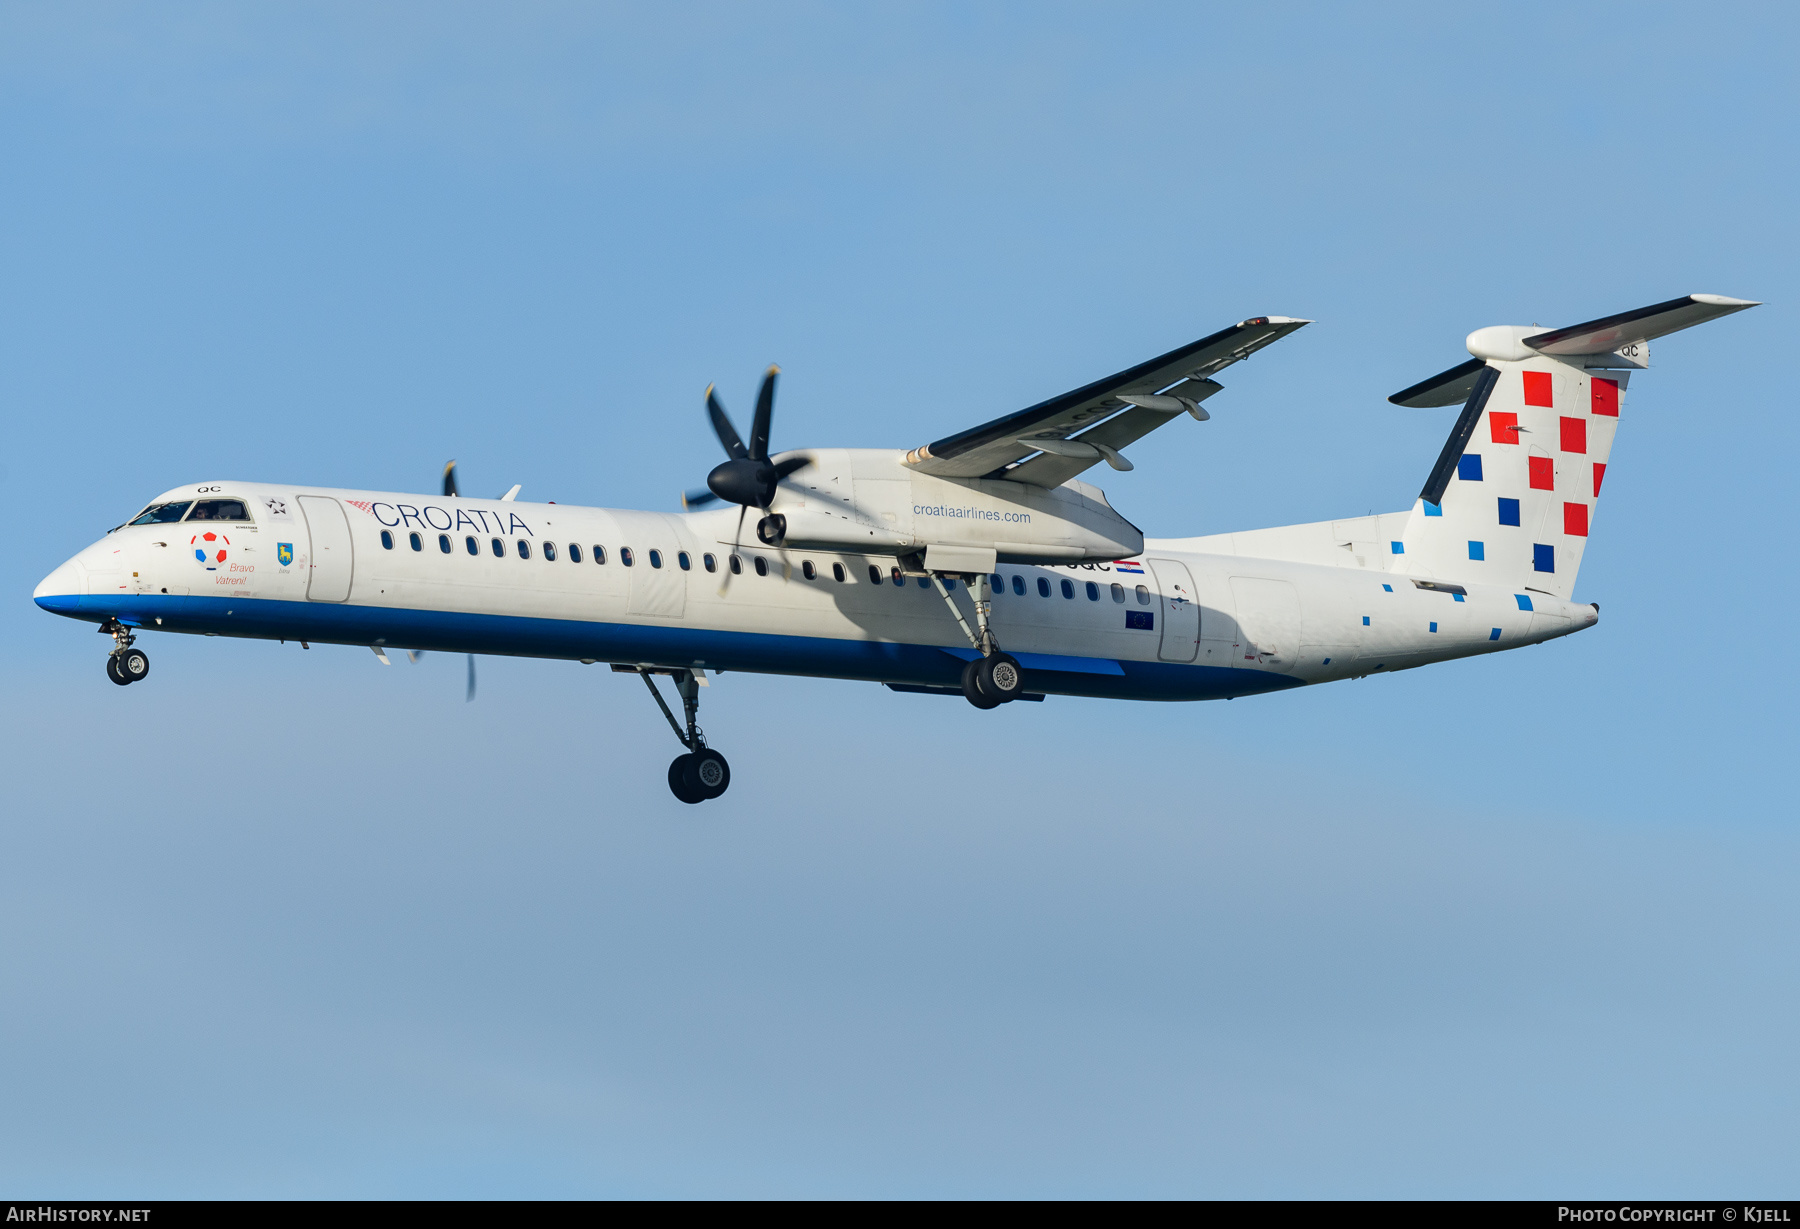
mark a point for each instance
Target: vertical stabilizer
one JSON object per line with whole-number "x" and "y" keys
{"x": 1511, "y": 499}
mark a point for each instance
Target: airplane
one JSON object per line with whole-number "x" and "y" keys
{"x": 979, "y": 565}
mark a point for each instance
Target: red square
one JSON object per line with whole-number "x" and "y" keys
{"x": 1503, "y": 427}
{"x": 1599, "y": 473}
{"x": 1605, "y": 396}
{"x": 1574, "y": 435}
{"x": 1537, "y": 388}
{"x": 1575, "y": 520}
{"x": 1543, "y": 474}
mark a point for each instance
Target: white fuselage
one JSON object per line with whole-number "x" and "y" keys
{"x": 1197, "y": 618}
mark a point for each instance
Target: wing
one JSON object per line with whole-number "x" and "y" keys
{"x": 1080, "y": 428}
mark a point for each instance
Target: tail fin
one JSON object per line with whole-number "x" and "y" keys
{"x": 1511, "y": 498}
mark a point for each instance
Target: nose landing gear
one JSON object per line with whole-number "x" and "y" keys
{"x": 124, "y": 664}
{"x": 701, "y": 774}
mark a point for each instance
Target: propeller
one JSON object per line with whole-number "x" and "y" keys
{"x": 747, "y": 478}
{"x": 451, "y": 492}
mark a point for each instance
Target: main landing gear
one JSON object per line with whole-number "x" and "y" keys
{"x": 702, "y": 773}
{"x": 995, "y": 677}
{"x": 124, "y": 664}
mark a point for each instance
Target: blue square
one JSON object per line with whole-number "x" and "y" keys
{"x": 1365, "y": 620}
{"x": 1478, "y": 551}
{"x": 1140, "y": 620}
{"x": 1434, "y": 627}
{"x": 1389, "y": 588}
{"x": 1509, "y": 511}
{"x": 1433, "y": 509}
{"x": 1457, "y": 596}
{"x": 1543, "y": 558}
{"x": 1469, "y": 468}
{"x": 1494, "y": 635}
{"x": 1523, "y": 601}
{"x": 1399, "y": 547}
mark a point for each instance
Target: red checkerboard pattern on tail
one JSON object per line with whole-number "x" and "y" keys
{"x": 1516, "y": 495}
{"x": 1543, "y": 446}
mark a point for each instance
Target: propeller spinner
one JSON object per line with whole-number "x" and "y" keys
{"x": 748, "y": 478}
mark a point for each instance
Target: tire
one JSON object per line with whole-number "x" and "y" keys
{"x": 678, "y": 780}
{"x": 112, "y": 670}
{"x": 1001, "y": 677}
{"x": 134, "y": 664}
{"x": 707, "y": 774}
{"x": 971, "y": 685}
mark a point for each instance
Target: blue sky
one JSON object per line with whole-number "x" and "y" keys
{"x": 291, "y": 923}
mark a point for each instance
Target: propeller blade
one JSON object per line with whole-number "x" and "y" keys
{"x": 450, "y": 491}
{"x": 765, "y": 409}
{"x": 728, "y": 436}
{"x": 697, "y": 499}
{"x": 471, "y": 692}
{"x": 413, "y": 655}
{"x": 790, "y": 465}
{"x": 736, "y": 537}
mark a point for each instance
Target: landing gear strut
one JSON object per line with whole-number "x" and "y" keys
{"x": 702, "y": 773}
{"x": 995, "y": 677}
{"x": 124, "y": 664}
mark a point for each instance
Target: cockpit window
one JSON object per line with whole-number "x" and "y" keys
{"x": 220, "y": 510}
{"x": 162, "y": 514}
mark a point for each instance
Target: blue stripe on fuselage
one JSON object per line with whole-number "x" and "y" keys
{"x": 673, "y": 645}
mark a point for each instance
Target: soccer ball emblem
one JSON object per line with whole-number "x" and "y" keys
{"x": 209, "y": 549}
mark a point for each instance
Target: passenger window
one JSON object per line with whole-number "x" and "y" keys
{"x": 687, "y": 564}
{"x": 1043, "y": 586}
{"x": 387, "y": 540}
{"x": 625, "y": 559}
{"x": 499, "y": 548}
{"x": 923, "y": 582}
{"x": 444, "y": 543}
{"x": 162, "y": 514}
{"x": 655, "y": 558}
{"x": 998, "y": 582}
{"x": 837, "y": 572}
{"x": 1143, "y": 596}
{"x": 808, "y": 570}
{"x": 471, "y": 545}
{"x": 1093, "y": 591}
{"x": 549, "y": 551}
{"x": 524, "y": 549}
{"x": 762, "y": 566}
{"x": 899, "y": 580}
{"x": 709, "y": 563}
{"x": 949, "y": 584}
{"x": 599, "y": 554}
{"x": 737, "y": 566}
{"x": 220, "y": 510}
{"x": 1019, "y": 585}
{"x": 1068, "y": 588}
{"x": 415, "y": 541}
{"x": 874, "y": 575}
{"x": 1118, "y": 592}
{"x": 574, "y": 553}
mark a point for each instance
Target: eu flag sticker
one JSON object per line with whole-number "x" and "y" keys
{"x": 1140, "y": 620}
{"x": 284, "y": 553}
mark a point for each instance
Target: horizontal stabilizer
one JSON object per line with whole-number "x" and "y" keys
{"x": 1645, "y": 324}
{"x": 1445, "y": 388}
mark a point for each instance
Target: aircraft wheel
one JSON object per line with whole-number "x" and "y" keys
{"x": 678, "y": 780}
{"x": 1001, "y": 677}
{"x": 134, "y": 664}
{"x": 971, "y": 685}
{"x": 707, "y": 774}
{"x": 112, "y": 670}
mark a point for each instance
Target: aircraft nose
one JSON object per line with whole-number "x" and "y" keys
{"x": 62, "y": 590}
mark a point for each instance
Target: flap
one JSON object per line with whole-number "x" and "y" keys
{"x": 1096, "y": 408}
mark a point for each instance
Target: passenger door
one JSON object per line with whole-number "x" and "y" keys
{"x": 328, "y": 577}
{"x": 1180, "y": 610}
